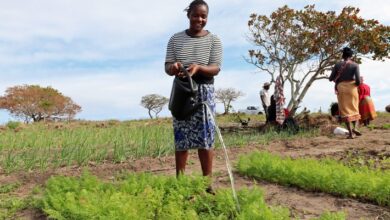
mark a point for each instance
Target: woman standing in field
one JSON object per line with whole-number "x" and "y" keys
{"x": 200, "y": 52}
{"x": 347, "y": 78}
{"x": 366, "y": 105}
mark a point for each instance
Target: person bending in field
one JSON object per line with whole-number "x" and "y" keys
{"x": 366, "y": 105}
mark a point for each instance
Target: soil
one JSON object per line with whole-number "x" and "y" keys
{"x": 370, "y": 149}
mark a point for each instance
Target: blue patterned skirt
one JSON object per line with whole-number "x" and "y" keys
{"x": 197, "y": 132}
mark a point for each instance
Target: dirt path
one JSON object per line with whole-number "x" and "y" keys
{"x": 304, "y": 205}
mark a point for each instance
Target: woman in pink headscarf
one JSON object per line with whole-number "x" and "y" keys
{"x": 366, "y": 105}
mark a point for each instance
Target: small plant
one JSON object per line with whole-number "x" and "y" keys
{"x": 12, "y": 125}
{"x": 6, "y": 188}
{"x": 10, "y": 205}
{"x": 386, "y": 126}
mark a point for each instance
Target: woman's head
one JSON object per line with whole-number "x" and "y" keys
{"x": 347, "y": 52}
{"x": 197, "y": 13}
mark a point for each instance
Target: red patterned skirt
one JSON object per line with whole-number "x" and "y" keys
{"x": 367, "y": 109}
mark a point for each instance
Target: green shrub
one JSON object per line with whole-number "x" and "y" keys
{"x": 13, "y": 125}
{"x": 332, "y": 216}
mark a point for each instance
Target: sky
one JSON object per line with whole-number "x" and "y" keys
{"x": 106, "y": 55}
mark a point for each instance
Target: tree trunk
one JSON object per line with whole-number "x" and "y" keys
{"x": 228, "y": 107}
{"x": 302, "y": 95}
{"x": 150, "y": 114}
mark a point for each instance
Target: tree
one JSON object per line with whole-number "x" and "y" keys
{"x": 227, "y": 96}
{"x": 154, "y": 103}
{"x": 302, "y": 46}
{"x": 32, "y": 102}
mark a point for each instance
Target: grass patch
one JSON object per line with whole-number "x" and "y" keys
{"x": 7, "y": 188}
{"x": 326, "y": 176}
{"x": 10, "y": 205}
{"x": 382, "y": 127}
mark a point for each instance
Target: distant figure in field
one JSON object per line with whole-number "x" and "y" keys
{"x": 265, "y": 99}
{"x": 200, "y": 52}
{"x": 346, "y": 76}
{"x": 366, "y": 105}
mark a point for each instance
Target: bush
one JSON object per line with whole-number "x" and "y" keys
{"x": 13, "y": 125}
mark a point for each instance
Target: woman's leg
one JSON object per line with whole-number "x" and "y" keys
{"x": 181, "y": 161}
{"x": 206, "y": 161}
{"x": 349, "y": 129}
{"x": 355, "y": 128}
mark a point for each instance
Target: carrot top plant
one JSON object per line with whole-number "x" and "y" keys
{"x": 326, "y": 175}
{"x": 144, "y": 196}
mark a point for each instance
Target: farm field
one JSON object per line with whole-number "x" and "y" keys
{"x": 32, "y": 154}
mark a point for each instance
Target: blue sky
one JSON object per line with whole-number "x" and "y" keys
{"x": 106, "y": 55}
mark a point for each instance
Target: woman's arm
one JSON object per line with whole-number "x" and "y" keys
{"x": 357, "y": 75}
{"x": 333, "y": 74}
{"x": 208, "y": 71}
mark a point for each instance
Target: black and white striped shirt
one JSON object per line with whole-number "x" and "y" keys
{"x": 205, "y": 50}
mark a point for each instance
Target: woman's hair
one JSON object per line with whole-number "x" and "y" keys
{"x": 347, "y": 52}
{"x": 194, "y": 4}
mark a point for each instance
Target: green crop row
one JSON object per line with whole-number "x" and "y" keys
{"x": 325, "y": 175}
{"x": 149, "y": 197}
{"x": 144, "y": 196}
{"x": 39, "y": 146}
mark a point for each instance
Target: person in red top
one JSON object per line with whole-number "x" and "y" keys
{"x": 286, "y": 112}
{"x": 366, "y": 105}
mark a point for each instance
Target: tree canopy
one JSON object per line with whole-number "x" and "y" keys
{"x": 227, "y": 96}
{"x": 154, "y": 103}
{"x": 32, "y": 102}
{"x": 302, "y": 46}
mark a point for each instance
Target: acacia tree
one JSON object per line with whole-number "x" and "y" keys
{"x": 227, "y": 96}
{"x": 32, "y": 102}
{"x": 154, "y": 103}
{"x": 302, "y": 46}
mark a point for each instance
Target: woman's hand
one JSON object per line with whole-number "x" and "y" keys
{"x": 193, "y": 69}
{"x": 174, "y": 68}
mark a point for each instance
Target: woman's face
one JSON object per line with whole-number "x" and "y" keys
{"x": 198, "y": 18}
